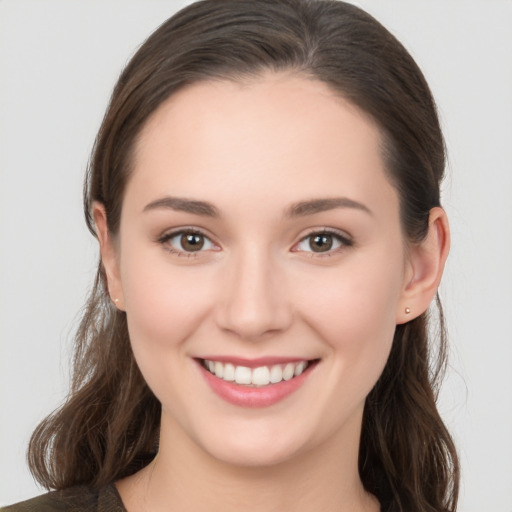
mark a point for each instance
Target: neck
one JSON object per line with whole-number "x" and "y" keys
{"x": 184, "y": 477}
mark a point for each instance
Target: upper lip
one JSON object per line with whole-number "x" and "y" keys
{"x": 254, "y": 363}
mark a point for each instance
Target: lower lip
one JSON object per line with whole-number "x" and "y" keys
{"x": 247, "y": 396}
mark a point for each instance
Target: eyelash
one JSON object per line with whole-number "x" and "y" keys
{"x": 164, "y": 239}
{"x": 343, "y": 239}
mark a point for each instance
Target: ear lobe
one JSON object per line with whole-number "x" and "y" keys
{"x": 108, "y": 256}
{"x": 426, "y": 261}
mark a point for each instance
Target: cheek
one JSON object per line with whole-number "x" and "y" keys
{"x": 353, "y": 310}
{"x": 164, "y": 305}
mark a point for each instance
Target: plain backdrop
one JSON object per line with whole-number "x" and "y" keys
{"x": 59, "y": 60}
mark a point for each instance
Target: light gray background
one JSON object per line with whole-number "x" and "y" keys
{"x": 58, "y": 62}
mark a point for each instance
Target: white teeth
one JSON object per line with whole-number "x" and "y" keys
{"x": 261, "y": 376}
{"x": 288, "y": 371}
{"x": 243, "y": 375}
{"x": 276, "y": 374}
{"x": 219, "y": 369}
{"x": 300, "y": 368}
{"x": 229, "y": 372}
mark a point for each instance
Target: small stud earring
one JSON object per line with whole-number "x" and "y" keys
{"x": 116, "y": 300}
{"x": 407, "y": 311}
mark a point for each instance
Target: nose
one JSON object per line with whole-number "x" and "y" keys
{"x": 254, "y": 300}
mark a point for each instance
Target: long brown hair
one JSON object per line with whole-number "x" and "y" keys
{"x": 109, "y": 426}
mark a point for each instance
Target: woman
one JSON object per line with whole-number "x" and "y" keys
{"x": 265, "y": 192}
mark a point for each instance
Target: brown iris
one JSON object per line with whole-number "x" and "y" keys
{"x": 192, "y": 241}
{"x": 321, "y": 243}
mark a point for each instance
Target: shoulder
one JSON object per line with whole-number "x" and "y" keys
{"x": 74, "y": 499}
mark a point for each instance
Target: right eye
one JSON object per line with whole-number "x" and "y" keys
{"x": 186, "y": 242}
{"x": 325, "y": 242}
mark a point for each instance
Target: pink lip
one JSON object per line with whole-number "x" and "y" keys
{"x": 246, "y": 396}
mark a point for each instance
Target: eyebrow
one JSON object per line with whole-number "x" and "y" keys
{"x": 313, "y": 206}
{"x": 184, "y": 205}
{"x": 300, "y": 209}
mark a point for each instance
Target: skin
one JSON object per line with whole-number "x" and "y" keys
{"x": 258, "y": 289}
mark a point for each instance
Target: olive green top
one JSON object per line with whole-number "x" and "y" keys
{"x": 74, "y": 499}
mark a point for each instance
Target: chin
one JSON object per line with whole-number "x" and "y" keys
{"x": 254, "y": 457}
{"x": 259, "y": 449}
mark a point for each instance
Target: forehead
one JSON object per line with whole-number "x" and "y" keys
{"x": 277, "y": 136}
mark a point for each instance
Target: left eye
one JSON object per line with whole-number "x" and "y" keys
{"x": 188, "y": 242}
{"x": 322, "y": 242}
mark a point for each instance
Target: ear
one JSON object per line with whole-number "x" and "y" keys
{"x": 425, "y": 267}
{"x": 109, "y": 256}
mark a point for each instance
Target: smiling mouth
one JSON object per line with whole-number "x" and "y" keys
{"x": 259, "y": 376}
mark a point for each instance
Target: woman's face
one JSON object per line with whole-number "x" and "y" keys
{"x": 260, "y": 232}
